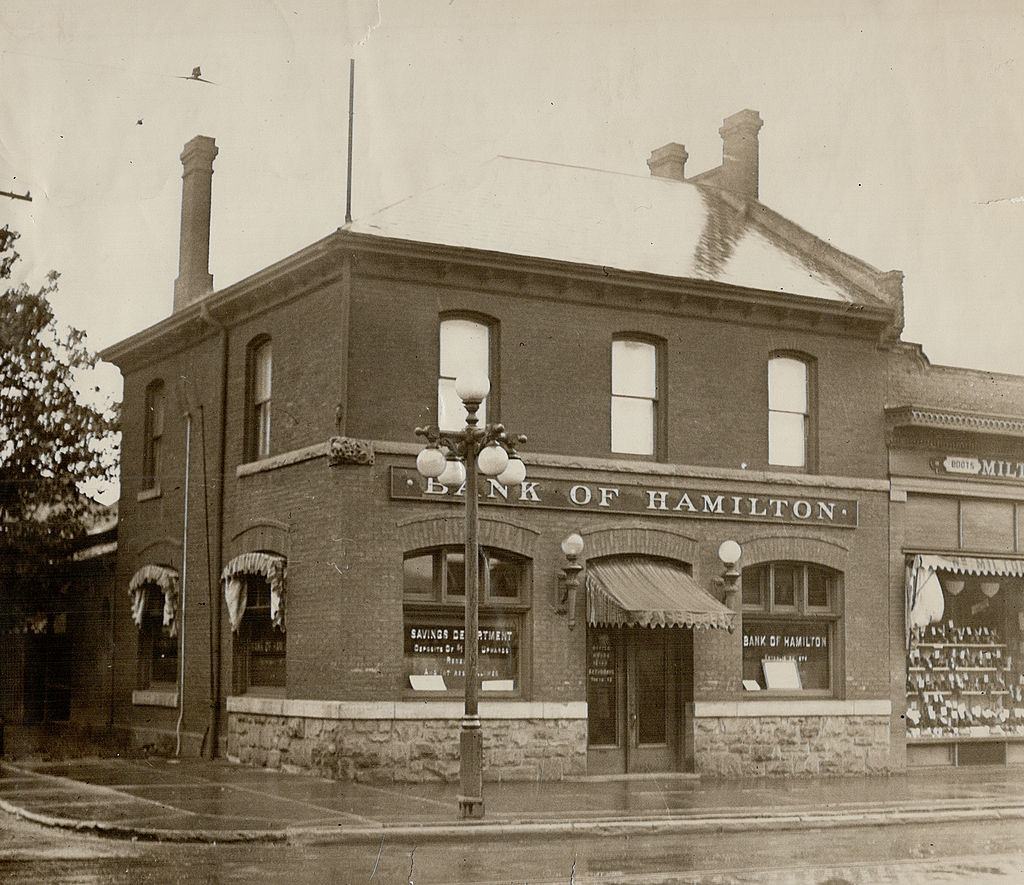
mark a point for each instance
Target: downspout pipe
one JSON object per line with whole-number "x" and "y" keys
{"x": 184, "y": 585}
{"x": 216, "y": 656}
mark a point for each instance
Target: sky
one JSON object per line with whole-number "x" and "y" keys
{"x": 892, "y": 130}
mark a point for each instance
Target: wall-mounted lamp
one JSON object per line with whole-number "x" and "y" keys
{"x": 572, "y": 547}
{"x": 729, "y": 552}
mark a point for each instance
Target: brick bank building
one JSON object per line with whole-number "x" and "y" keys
{"x": 690, "y": 367}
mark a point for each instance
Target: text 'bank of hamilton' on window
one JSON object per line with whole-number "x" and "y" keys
{"x": 790, "y": 617}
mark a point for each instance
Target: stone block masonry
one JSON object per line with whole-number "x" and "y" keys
{"x": 771, "y": 746}
{"x": 407, "y": 750}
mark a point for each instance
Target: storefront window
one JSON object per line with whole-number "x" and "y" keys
{"x": 434, "y": 586}
{"x": 964, "y": 674}
{"x": 790, "y": 613}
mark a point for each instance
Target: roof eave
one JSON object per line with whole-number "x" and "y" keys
{"x": 872, "y": 313}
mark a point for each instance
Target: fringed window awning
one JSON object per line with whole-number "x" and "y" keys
{"x": 265, "y": 565}
{"x": 644, "y": 592}
{"x": 924, "y": 601}
{"x": 166, "y": 580}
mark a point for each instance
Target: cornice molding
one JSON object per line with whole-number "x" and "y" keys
{"x": 944, "y": 419}
{"x": 319, "y": 265}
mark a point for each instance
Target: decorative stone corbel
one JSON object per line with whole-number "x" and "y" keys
{"x": 345, "y": 450}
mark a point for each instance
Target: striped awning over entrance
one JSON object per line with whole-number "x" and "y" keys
{"x": 640, "y": 591}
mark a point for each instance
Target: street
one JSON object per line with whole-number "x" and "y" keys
{"x": 982, "y": 852}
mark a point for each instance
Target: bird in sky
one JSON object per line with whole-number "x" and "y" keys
{"x": 197, "y": 75}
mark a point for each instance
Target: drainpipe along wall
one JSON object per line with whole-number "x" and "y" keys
{"x": 184, "y": 588}
{"x": 216, "y": 622}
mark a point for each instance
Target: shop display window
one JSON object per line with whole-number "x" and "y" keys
{"x": 964, "y": 672}
{"x": 790, "y": 616}
{"x": 434, "y": 587}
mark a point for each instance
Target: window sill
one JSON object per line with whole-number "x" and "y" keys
{"x": 789, "y": 704}
{"x": 152, "y": 697}
{"x": 149, "y": 494}
{"x": 265, "y": 691}
{"x": 409, "y": 694}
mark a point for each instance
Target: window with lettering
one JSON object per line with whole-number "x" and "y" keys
{"x": 261, "y": 647}
{"x": 790, "y": 624}
{"x": 434, "y": 590}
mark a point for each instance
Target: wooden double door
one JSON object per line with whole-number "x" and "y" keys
{"x": 639, "y": 681}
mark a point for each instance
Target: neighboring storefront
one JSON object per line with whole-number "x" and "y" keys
{"x": 958, "y": 532}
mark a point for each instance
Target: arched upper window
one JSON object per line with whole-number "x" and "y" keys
{"x": 789, "y": 411}
{"x": 260, "y": 372}
{"x": 465, "y": 347}
{"x": 635, "y": 395}
{"x": 153, "y": 435}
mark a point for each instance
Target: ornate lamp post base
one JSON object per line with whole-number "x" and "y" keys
{"x": 471, "y": 773}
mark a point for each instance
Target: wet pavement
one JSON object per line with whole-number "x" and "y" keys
{"x": 202, "y": 800}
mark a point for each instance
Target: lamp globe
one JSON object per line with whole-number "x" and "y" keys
{"x": 454, "y": 473}
{"x": 430, "y": 463}
{"x": 492, "y": 460}
{"x": 472, "y": 387}
{"x": 514, "y": 473}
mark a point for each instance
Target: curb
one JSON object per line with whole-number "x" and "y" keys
{"x": 484, "y": 831}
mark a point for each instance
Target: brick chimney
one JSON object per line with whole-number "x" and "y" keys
{"x": 668, "y": 161}
{"x": 194, "y": 277}
{"x": 740, "y": 153}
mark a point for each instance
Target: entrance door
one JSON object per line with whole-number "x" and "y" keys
{"x": 633, "y": 699}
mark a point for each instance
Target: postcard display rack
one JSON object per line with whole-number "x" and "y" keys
{"x": 965, "y": 696}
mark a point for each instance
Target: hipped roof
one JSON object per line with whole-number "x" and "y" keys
{"x": 626, "y": 222}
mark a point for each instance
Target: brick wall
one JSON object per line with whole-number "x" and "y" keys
{"x": 344, "y": 610}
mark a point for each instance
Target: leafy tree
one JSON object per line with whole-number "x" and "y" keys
{"x": 52, "y": 443}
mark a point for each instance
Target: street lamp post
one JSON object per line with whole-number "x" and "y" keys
{"x": 453, "y": 458}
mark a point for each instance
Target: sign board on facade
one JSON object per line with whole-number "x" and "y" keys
{"x": 656, "y": 500}
{"x": 980, "y": 468}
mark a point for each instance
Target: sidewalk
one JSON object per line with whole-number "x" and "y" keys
{"x": 196, "y": 800}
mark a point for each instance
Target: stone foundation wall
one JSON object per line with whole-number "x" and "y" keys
{"x": 749, "y": 746}
{"x": 407, "y": 749}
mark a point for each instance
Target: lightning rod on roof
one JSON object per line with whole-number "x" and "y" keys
{"x": 351, "y": 99}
